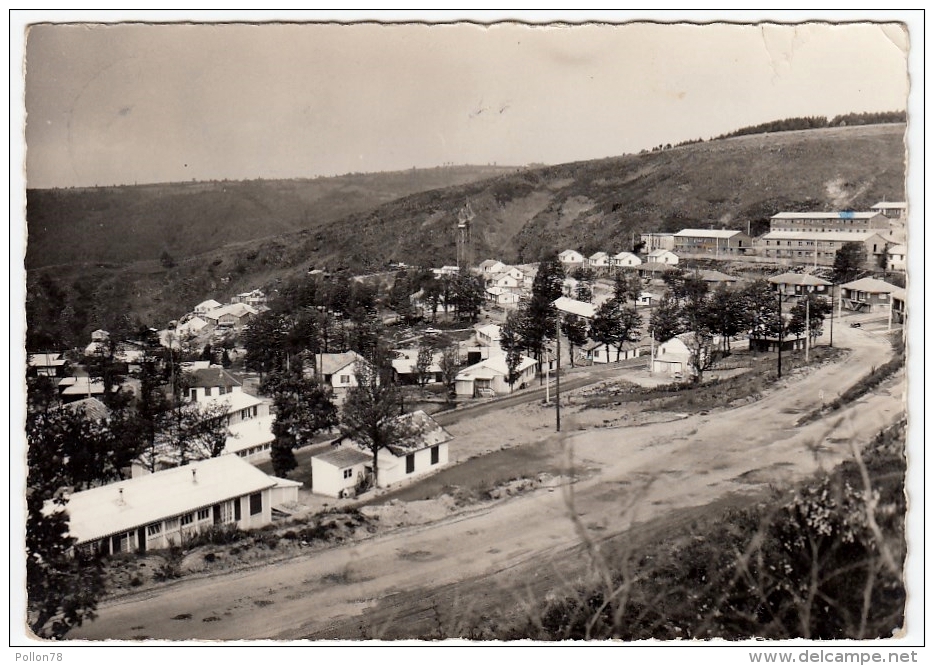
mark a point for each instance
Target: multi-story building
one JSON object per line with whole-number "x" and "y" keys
{"x": 843, "y": 221}
{"x": 819, "y": 248}
{"x": 713, "y": 242}
{"x": 657, "y": 241}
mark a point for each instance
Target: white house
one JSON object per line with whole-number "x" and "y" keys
{"x": 570, "y": 258}
{"x": 251, "y": 438}
{"x": 662, "y": 256}
{"x": 254, "y": 298}
{"x": 508, "y": 280}
{"x": 491, "y": 267}
{"x": 157, "y": 510}
{"x": 204, "y": 307}
{"x": 895, "y": 210}
{"x": 489, "y": 335}
{"x": 100, "y": 335}
{"x": 672, "y": 357}
{"x": 339, "y": 371}
{"x": 208, "y": 383}
{"x": 897, "y": 255}
{"x": 234, "y": 315}
{"x": 336, "y": 472}
{"x": 647, "y": 299}
{"x": 191, "y": 327}
{"x": 575, "y": 307}
{"x": 502, "y": 296}
{"x": 625, "y": 260}
{"x": 596, "y": 352}
{"x": 404, "y": 366}
{"x": 598, "y": 260}
{"x": 488, "y": 377}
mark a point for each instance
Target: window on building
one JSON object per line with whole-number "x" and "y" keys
{"x": 434, "y": 455}
{"x": 171, "y": 524}
{"x": 207, "y": 391}
{"x": 221, "y": 390}
{"x": 345, "y": 379}
{"x": 256, "y": 503}
{"x": 154, "y": 529}
{"x": 188, "y": 519}
{"x": 410, "y": 463}
{"x": 348, "y": 473}
{"x": 237, "y": 509}
{"x": 204, "y": 514}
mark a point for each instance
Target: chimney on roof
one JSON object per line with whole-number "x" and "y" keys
{"x": 194, "y": 475}
{"x": 120, "y": 501}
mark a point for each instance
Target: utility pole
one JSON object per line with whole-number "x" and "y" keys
{"x": 558, "y": 373}
{"x": 781, "y": 327}
{"x": 832, "y": 307}
{"x": 807, "y": 327}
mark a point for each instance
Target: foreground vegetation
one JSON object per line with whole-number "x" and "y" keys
{"x": 820, "y": 561}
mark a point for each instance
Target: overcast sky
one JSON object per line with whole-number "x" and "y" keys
{"x": 135, "y": 103}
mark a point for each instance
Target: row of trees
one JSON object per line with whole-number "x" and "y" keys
{"x": 690, "y": 307}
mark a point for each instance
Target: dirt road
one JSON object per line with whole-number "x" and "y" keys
{"x": 628, "y": 475}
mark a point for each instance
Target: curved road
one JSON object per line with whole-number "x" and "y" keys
{"x": 629, "y": 475}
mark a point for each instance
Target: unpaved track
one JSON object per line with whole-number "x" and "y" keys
{"x": 631, "y": 474}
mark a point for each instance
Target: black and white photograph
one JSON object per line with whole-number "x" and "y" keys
{"x": 468, "y": 332}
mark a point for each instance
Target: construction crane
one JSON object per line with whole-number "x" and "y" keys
{"x": 464, "y": 217}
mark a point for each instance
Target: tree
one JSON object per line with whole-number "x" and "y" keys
{"x": 450, "y": 365}
{"x": 848, "y": 262}
{"x": 728, "y": 314}
{"x": 303, "y": 409}
{"x": 809, "y": 313}
{"x": 423, "y": 363}
{"x": 370, "y": 413}
{"x": 697, "y": 319}
{"x": 615, "y": 325}
{"x": 541, "y": 315}
{"x": 62, "y": 587}
{"x": 194, "y": 431}
{"x": 761, "y": 306}
{"x": 626, "y": 286}
{"x": 511, "y": 341}
{"x": 666, "y": 320}
{"x": 583, "y": 292}
{"x": 575, "y": 330}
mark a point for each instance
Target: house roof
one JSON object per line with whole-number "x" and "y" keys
{"x": 819, "y": 215}
{"x": 489, "y": 263}
{"x": 707, "y": 233}
{"x": 715, "y": 276}
{"x": 92, "y": 408}
{"x": 575, "y": 307}
{"x": 209, "y": 304}
{"x": 596, "y": 256}
{"x": 861, "y": 235}
{"x": 493, "y": 331}
{"x": 890, "y": 204}
{"x": 332, "y": 363}
{"x": 492, "y": 367}
{"x": 569, "y": 253}
{"x": 80, "y": 387}
{"x": 100, "y": 512}
{"x": 799, "y": 279}
{"x": 898, "y": 249}
{"x": 625, "y": 255}
{"x": 405, "y": 364}
{"x": 235, "y": 309}
{"x": 249, "y": 433}
{"x": 235, "y": 401}
{"x": 45, "y": 360}
{"x": 343, "y": 456}
{"x": 427, "y": 433}
{"x": 216, "y": 376}
{"x": 898, "y": 294}
{"x": 872, "y": 285}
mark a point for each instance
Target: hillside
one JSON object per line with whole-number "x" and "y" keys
{"x": 591, "y": 205}
{"x": 133, "y": 223}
